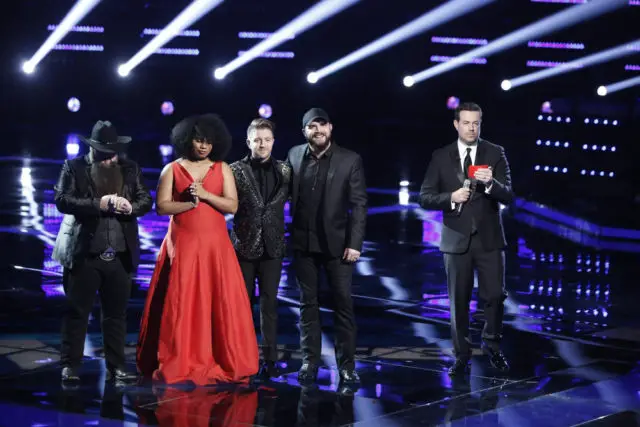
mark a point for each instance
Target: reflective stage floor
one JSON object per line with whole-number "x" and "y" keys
{"x": 572, "y": 330}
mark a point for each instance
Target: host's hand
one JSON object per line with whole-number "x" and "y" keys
{"x": 461, "y": 195}
{"x": 485, "y": 176}
{"x": 350, "y": 255}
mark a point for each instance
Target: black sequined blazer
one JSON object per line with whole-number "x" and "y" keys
{"x": 258, "y": 227}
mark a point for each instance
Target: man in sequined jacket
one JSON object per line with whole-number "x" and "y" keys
{"x": 258, "y": 229}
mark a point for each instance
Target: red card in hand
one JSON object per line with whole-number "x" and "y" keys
{"x": 474, "y": 168}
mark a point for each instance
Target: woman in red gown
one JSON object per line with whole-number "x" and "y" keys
{"x": 197, "y": 324}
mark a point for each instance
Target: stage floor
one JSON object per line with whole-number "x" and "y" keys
{"x": 572, "y": 331}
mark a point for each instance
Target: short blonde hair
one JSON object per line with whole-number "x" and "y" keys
{"x": 260, "y": 124}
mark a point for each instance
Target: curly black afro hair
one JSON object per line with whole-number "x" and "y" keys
{"x": 206, "y": 126}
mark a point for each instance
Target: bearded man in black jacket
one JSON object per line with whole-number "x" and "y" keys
{"x": 101, "y": 195}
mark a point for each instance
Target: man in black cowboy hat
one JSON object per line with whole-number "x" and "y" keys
{"x": 101, "y": 195}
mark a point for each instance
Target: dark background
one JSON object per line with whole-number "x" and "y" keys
{"x": 394, "y": 128}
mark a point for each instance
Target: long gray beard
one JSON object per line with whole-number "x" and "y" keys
{"x": 107, "y": 179}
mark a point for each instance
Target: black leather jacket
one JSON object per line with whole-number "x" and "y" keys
{"x": 75, "y": 197}
{"x": 259, "y": 227}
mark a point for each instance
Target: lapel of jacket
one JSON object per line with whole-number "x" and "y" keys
{"x": 296, "y": 164}
{"x": 245, "y": 165}
{"x": 334, "y": 162}
{"x": 481, "y": 154}
{"x": 128, "y": 178}
{"x": 87, "y": 171}
{"x": 455, "y": 160}
{"x": 277, "y": 167}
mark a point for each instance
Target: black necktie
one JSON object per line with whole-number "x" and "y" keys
{"x": 467, "y": 163}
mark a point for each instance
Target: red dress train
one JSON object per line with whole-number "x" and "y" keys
{"x": 197, "y": 324}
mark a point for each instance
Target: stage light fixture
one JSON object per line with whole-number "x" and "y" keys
{"x": 219, "y": 73}
{"x": 75, "y": 15}
{"x": 312, "y": 77}
{"x": 123, "y": 71}
{"x": 556, "y": 22}
{"x": 554, "y": 69}
{"x": 265, "y": 111}
{"x": 189, "y": 15}
{"x": 446, "y": 12}
{"x": 408, "y": 81}
{"x": 167, "y": 108}
{"x": 73, "y": 104}
{"x": 28, "y": 67}
{"x": 319, "y": 12}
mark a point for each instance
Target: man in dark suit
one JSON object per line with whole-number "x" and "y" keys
{"x": 472, "y": 233}
{"x": 329, "y": 208}
{"x": 258, "y": 229}
{"x": 101, "y": 195}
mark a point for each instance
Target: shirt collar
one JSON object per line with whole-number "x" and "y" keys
{"x": 259, "y": 164}
{"x": 462, "y": 147}
{"x": 326, "y": 154}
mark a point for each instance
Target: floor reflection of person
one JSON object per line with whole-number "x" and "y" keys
{"x": 201, "y": 407}
{"x": 309, "y": 413}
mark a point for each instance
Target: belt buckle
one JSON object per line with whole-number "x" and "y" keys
{"x": 108, "y": 255}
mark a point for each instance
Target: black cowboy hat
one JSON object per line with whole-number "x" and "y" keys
{"x": 104, "y": 138}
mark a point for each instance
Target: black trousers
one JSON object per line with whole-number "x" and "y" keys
{"x": 113, "y": 283}
{"x": 267, "y": 271}
{"x": 339, "y": 275}
{"x": 460, "y": 269}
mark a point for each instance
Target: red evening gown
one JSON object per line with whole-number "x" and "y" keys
{"x": 197, "y": 324}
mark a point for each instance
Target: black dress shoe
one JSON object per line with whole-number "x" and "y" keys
{"x": 70, "y": 374}
{"x": 268, "y": 370}
{"x": 119, "y": 374}
{"x": 349, "y": 376}
{"x": 459, "y": 367}
{"x": 308, "y": 373}
{"x": 496, "y": 358}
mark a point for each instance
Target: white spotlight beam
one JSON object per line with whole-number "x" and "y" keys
{"x": 587, "y": 61}
{"x": 618, "y": 86}
{"x": 433, "y": 18}
{"x": 196, "y": 10}
{"x": 308, "y": 19}
{"x": 75, "y": 15}
{"x": 550, "y": 24}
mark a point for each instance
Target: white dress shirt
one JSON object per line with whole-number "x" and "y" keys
{"x": 462, "y": 150}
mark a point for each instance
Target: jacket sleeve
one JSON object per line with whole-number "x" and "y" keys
{"x": 501, "y": 186}
{"x": 431, "y": 198}
{"x": 142, "y": 201}
{"x": 65, "y": 195}
{"x": 286, "y": 176}
{"x": 358, "y": 202}
{"x": 290, "y": 167}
